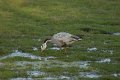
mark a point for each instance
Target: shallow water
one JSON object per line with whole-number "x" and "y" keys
{"x": 45, "y": 78}
{"x": 35, "y": 73}
{"x": 52, "y": 62}
{"x": 62, "y": 77}
{"x": 117, "y": 33}
{"x": 107, "y": 51}
{"x": 26, "y": 55}
{"x": 21, "y": 79}
{"x": 91, "y": 49}
{"x": 49, "y": 61}
{"x": 20, "y": 54}
{"x": 55, "y": 48}
{"x": 35, "y": 48}
{"x": 89, "y": 75}
{"x": 116, "y": 74}
{"x": 104, "y": 60}
{"x": 83, "y": 64}
{"x": 57, "y": 78}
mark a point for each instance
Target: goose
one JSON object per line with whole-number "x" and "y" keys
{"x": 61, "y": 39}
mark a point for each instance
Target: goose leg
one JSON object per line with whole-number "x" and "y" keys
{"x": 65, "y": 50}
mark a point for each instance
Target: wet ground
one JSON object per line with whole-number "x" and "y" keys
{"x": 35, "y": 69}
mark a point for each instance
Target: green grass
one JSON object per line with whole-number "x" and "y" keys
{"x": 26, "y": 23}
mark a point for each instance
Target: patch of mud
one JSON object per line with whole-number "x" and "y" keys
{"x": 89, "y": 75}
{"x": 104, "y": 60}
{"x": 35, "y": 73}
{"x": 26, "y": 55}
{"x": 91, "y": 49}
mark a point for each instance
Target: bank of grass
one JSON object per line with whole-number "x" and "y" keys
{"x": 26, "y": 23}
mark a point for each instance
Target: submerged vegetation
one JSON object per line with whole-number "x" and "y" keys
{"x": 24, "y": 24}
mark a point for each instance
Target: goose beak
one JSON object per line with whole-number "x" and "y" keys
{"x": 43, "y": 47}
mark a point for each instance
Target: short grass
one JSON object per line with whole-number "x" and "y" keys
{"x": 26, "y": 23}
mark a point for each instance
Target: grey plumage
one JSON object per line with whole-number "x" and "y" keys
{"x": 62, "y": 39}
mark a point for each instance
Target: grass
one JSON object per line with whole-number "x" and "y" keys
{"x": 24, "y": 24}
